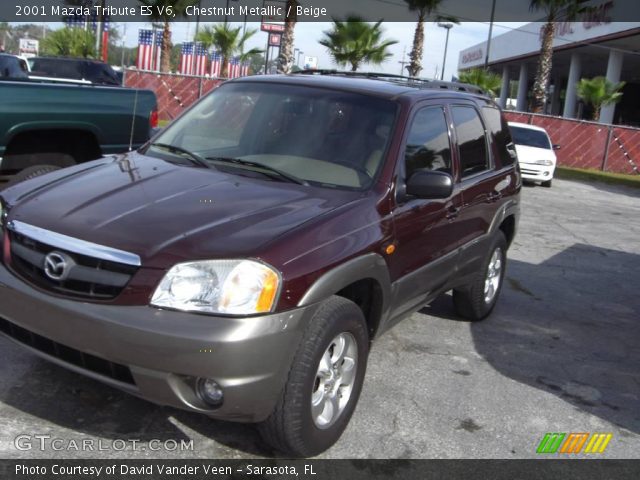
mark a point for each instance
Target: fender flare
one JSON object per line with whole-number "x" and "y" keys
{"x": 368, "y": 266}
{"x": 509, "y": 208}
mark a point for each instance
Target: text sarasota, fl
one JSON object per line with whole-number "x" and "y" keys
{"x": 161, "y": 469}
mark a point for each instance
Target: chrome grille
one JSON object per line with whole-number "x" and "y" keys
{"x": 88, "y": 277}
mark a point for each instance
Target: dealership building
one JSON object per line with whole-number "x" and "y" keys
{"x": 589, "y": 47}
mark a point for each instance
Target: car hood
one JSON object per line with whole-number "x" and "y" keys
{"x": 528, "y": 154}
{"x": 168, "y": 213}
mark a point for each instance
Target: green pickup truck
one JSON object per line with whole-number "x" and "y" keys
{"x": 50, "y": 125}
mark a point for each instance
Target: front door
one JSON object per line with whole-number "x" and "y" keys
{"x": 425, "y": 255}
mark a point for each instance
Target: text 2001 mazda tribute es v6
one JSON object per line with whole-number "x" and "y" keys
{"x": 280, "y": 225}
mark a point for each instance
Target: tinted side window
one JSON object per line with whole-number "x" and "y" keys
{"x": 100, "y": 73}
{"x": 500, "y": 133}
{"x": 428, "y": 144}
{"x": 472, "y": 142}
{"x": 57, "y": 68}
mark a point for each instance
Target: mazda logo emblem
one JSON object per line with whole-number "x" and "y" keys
{"x": 57, "y": 266}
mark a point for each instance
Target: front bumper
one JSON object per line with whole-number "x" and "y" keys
{"x": 165, "y": 351}
{"x": 539, "y": 173}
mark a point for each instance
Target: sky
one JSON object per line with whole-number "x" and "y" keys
{"x": 308, "y": 33}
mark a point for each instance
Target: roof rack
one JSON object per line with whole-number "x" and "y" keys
{"x": 416, "y": 82}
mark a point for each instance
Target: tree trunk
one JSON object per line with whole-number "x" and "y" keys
{"x": 285, "y": 58}
{"x": 415, "y": 66}
{"x": 544, "y": 67}
{"x": 354, "y": 66}
{"x": 596, "y": 112}
{"x": 165, "y": 62}
{"x": 225, "y": 67}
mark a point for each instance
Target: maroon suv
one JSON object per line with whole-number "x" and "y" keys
{"x": 241, "y": 263}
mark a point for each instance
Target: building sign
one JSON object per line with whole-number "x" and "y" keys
{"x": 472, "y": 56}
{"x": 275, "y": 39}
{"x": 274, "y": 21}
{"x": 310, "y": 63}
{"x": 29, "y": 47}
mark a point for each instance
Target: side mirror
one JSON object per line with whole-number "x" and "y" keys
{"x": 430, "y": 184}
{"x": 556, "y": 146}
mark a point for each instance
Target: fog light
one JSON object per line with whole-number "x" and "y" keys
{"x": 210, "y": 392}
{"x": 546, "y": 174}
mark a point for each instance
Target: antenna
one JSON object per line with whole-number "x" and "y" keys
{"x": 133, "y": 119}
{"x": 403, "y": 62}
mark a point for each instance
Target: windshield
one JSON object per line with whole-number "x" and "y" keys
{"x": 322, "y": 137}
{"x": 530, "y": 137}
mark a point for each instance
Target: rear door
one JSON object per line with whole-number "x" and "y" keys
{"x": 480, "y": 182}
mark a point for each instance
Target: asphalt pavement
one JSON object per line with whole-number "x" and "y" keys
{"x": 560, "y": 353}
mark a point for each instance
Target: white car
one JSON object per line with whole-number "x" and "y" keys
{"x": 535, "y": 152}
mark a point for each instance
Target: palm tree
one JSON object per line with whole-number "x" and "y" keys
{"x": 355, "y": 41}
{"x": 599, "y": 92}
{"x": 489, "y": 82}
{"x": 554, "y": 10}
{"x": 70, "y": 42}
{"x": 228, "y": 41}
{"x": 165, "y": 12}
{"x": 425, "y": 8}
{"x": 285, "y": 59}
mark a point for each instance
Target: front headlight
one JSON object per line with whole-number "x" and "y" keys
{"x": 546, "y": 163}
{"x": 231, "y": 287}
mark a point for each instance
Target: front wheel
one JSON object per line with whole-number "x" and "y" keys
{"x": 324, "y": 383}
{"x": 546, "y": 184}
{"x": 476, "y": 301}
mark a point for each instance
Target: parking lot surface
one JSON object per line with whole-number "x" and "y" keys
{"x": 561, "y": 353}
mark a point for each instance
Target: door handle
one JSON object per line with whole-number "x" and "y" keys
{"x": 452, "y": 212}
{"x": 494, "y": 196}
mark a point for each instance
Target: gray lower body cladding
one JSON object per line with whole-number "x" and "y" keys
{"x": 156, "y": 354}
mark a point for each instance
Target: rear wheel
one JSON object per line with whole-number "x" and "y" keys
{"x": 476, "y": 301}
{"x": 324, "y": 383}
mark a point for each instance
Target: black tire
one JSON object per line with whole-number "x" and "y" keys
{"x": 29, "y": 173}
{"x": 546, "y": 184}
{"x": 470, "y": 302}
{"x": 291, "y": 428}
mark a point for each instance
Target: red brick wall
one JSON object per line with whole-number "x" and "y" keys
{"x": 584, "y": 144}
{"x": 174, "y": 92}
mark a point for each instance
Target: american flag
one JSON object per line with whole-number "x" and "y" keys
{"x": 200, "y": 60}
{"x": 244, "y": 71}
{"x": 216, "y": 64}
{"x": 186, "y": 58}
{"x": 149, "y": 51}
{"x": 82, "y": 21}
{"x": 73, "y": 21}
{"x": 234, "y": 68}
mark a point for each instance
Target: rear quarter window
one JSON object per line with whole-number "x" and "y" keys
{"x": 472, "y": 141}
{"x": 500, "y": 135}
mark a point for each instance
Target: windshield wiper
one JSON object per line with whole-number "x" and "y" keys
{"x": 194, "y": 157}
{"x": 248, "y": 163}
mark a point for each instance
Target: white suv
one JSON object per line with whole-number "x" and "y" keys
{"x": 535, "y": 152}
